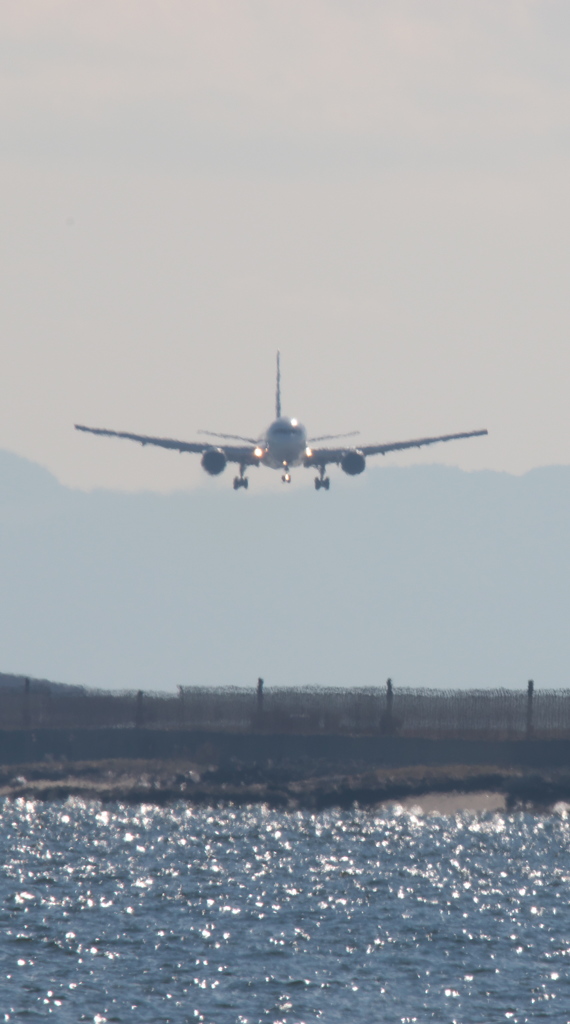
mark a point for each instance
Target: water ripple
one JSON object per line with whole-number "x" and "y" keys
{"x": 246, "y": 915}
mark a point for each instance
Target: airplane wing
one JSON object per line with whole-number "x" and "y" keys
{"x": 243, "y": 455}
{"x": 323, "y": 456}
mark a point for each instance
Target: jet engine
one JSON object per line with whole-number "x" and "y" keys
{"x": 214, "y": 461}
{"x": 353, "y": 462}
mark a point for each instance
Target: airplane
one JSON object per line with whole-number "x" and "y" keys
{"x": 283, "y": 446}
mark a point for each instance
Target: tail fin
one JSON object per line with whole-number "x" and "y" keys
{"x": 278, "y": 388}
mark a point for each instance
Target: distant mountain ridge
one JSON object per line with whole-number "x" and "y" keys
{"x": 427, "y": 574}
{"x": 11, "y": 682}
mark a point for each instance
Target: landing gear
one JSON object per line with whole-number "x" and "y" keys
{"x": 241, "y": 480}
{"x": 322, "y": 480}
{"x": 286, "y": 478}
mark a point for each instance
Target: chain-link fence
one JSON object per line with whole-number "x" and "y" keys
{"x": 385, "y": 710}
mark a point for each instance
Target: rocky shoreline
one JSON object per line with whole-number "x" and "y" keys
{"x": 287, "y": 787}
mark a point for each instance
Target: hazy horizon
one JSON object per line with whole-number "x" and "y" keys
{"x": 430, "y": 575}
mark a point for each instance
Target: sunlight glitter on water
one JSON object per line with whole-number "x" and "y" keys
{"x": 174, "y": 915}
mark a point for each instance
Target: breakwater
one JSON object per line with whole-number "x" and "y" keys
{"x": 137, "y": 765}
{"x": 287, "y": 786}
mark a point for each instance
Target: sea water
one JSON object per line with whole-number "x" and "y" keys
{"x": 235, "y": 916}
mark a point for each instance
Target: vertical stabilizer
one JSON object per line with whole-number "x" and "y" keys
{"x": 278, "y": 388}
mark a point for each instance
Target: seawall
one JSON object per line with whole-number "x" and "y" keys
{"x": 21, "y": 746}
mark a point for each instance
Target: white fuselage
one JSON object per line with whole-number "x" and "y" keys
{"x": 284, "y": 443}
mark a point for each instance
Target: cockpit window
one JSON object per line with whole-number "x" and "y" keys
{"x": 286, "y": 428}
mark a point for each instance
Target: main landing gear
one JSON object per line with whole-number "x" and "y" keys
{"x": 241, "y": 480}
{"x": 321, "y": 480}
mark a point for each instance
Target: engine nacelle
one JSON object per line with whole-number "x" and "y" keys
{"x": 353, "y": 462}
{"x": 214, "y": 461}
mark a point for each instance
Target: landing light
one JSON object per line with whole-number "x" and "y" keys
{"x": 294, "y": 423}
{"x": 308, "y": 452}
{"x": 258, "y": 452}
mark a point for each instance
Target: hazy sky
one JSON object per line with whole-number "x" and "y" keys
{"x": 380, "y": 189}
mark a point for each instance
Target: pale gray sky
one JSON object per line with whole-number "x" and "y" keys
{"x": 380, "y": 189}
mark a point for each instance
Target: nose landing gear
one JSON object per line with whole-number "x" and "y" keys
{"x": 286, "y": 478}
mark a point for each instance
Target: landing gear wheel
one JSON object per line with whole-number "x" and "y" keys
{"x": 237, "y": 483}
{"x": 318, "y": 483}
{"x": 240, "y": 481}
{"x": 245, "y": 482}
{"x": 326, "y": 483}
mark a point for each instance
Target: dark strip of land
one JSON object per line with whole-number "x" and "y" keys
{"x": 287, "y": 787}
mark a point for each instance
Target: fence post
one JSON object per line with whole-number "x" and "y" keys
{"x": 26, "y": 715}
{"x": 386, "y": 719}
{"x": 259, "y": 698}
{"x": 529, "y": 699}
{"x": 139, "y": 710}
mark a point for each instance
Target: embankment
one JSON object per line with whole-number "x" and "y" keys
{"x": 341, "y": 752}
{"x": 282, "y": 770}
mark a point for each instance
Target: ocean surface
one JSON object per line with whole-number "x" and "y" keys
{"x": 239, "y": 916}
